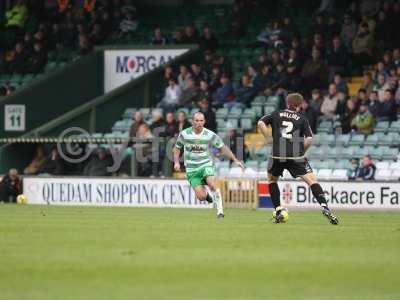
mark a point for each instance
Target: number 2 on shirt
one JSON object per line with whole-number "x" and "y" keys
{"x": 287, "y": 129}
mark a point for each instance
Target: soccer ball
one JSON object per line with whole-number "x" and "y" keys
{"x": 21, "y": 199}
{"x": 284, "y": 213}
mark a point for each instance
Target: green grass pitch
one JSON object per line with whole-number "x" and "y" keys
{"x": 146, "y": 253}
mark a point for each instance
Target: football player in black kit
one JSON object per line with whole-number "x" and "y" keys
{"x": 292, "y": 136}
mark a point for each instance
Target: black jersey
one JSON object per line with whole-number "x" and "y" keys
{"x": 289, "y": 128}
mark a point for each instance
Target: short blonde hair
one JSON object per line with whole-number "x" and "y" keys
{"x": 294, "y": 100}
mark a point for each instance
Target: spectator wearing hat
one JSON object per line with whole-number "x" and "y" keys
{"x": 367, "y": 82}
{"x": 10, "y": 186}
{"x": 368, "y": 169}
{"x": 246, "y": 91}
{"x": 198, "y": 74}
{"x": 294, "y": 81}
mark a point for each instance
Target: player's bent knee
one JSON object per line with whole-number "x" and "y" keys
{"x": 201, "y": 194}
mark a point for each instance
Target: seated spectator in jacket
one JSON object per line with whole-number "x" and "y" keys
{"x": 364, "y": 121}
{"x": 367, "y": 83}
{"x": 98, "y": 164}
{"x": 208, "y": 41}
{"x": 37, "y": 162}
{"x": 330, "y": 103}
{"x": 215, "y": 78}
{"x": 353, "y": 172}
{"x": 157, "y": 126}
{"x": 337, "y": 58}
{"x": 85, "y": 46}
{"x": 204, "y": 90}
{"x": 168, "y": 74}
{"x": 316, "y": 101}
{"x": 209, "y": 114}
{"x": 363, "y": 44}
{"x": 158, "y": 38}
{"x": 246, "y": 91}
{"x": 310, "y": 115}
{"x": 137, "y": 121}
{"x": 368, "y": 169}
{"x": 374, "y": 105}
{"x": 348, "y": 116}
{"x": 341, "y": 85}
{"x": 388, "y": 111}
{"x": 198, "y": 74}
{"x": 349, "y": 31}
{"x": 190, "y": 94}
{"x": 171, "y": 97}
{"x": 183, "y": 76}
{"x": 183, "y": 122}
{"x": 53, "y": 165}
{"x": 224, "y": 94}
{"x": 381, "y": 86}
{"x": 17, "y": 63}
{"x": 190, "y": 35}
{"x": 171, "y": 125}
{"x": 315, "y": 71}
{"x": 264, "y": 79}
{"x": 144, "y": 152}
{"x": 294, "y": 81}
{"x": 10, "y": 186}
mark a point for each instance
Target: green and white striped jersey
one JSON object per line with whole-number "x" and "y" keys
{"x": 196, "y": 148}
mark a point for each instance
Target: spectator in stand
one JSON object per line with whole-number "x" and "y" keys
{"x": 337, "y": 58}
{"x": 204, "y": 90}
{"x": 364, "y": 121}
{"x": 293, "y": 58}
{"x": 349, "y": 31}
{"x": 215, "y": 78}
{"x": 295, "y": 45}
{"x": 318, "y": 43}
{"x": 190, "y": 35}
{"x": 10, "y": 186}
{"x": 316, "y": 101}
{"x": 37, "y": 162}
{"x": 341, "y": 85}
{"x": 128, "y": 26}
{"x": 209, "y": 114}
{"x": 137, "y": 121}
{"x": 354, "y": 171}
{"x": 381, "y": 69}
{"x": 374, "y": 105}
{"x": 280, "y": 76}
{"x": 381, "y": 86}
{"x": 208, "y": 62}
{"x": 294, "y": 81}
{"x": 319, "y": 24}
{"x": 363, "y": 44}
{"x": 367, "y": 83}
{"x": 171, "y": 97}
{"x": 190, "y": 94}
{"x": 361, "y": 98}
{"x": 183, "y": 76}
{"x": 333, "y": 28}
{"x": 348, "y": 116}
{"x": 85, "y": 46}
{"x": 368, "y": 169}
{"x": 144, "y": 152}
{"x": 171, "y": 126}
{"x": 388, "y": 110}
{"x": 183, "y": 122}
{"x": 158, "y": 38}
{"x": 98, "y": 164}
{"x": 315, "y": 71}
{"x": 198, "y": 74}
{"x": 224, "y": 94}
{"x": 310, "y": 115}
{"x": 264, "y": 79}
{"x": 37, "y": 61}
{"x": 251, "y": 72}
{"x": 53, "y": 165}
{"x": 178, "y": 38}
{"x": 208, "y": 41}
{"x": 97, "y": 35}
{"x": 330, "y": 103}
{"x": 18, "y": 61}
{"x": 168, "y": 74}
{"x": 157, "y": 126}
{"x": 288, "y": 30}
{"x": 245, "y": 91}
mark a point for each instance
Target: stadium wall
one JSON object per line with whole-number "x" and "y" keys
{"x": 177, "y": 193}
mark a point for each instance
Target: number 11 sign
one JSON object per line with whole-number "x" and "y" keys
{"x": 14, "y": 117}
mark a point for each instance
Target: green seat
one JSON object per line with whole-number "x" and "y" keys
{"x": 372, "y": 140}
{"x": 269, "y": 109}
{"x": 357, "y": 140}
{"x": 327, "y": 139}
{"x": 325, "y": 126}
{"x": 259, "y": 100}
{"x": 235, "y": 113}
{"x": 274, "y": 100}
{"x": 246, "y": 124}
{"x": 390, "y": 154}
{"x": 361, "y": 152}
{"x": 376, "y": 153}
{"x": 258, "y": 110}
{"x": 249, "y": 113}
{"x": 128, "y": 113}
{"x": 145, "y": 112}
{"x": 221, "y": 113}
{"x": 395, "y": 126}
{"x": 346, "y": 153}
{"x": 50, "y": 66}
{"x": 384, "y": 139}
{"x": 341, "y": 164}
{"x": 253, "y": 164}
{"x": 382, "y": 126}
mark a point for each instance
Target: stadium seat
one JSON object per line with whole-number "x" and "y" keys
{"x": 327, "y": 139}
{"x": 340, "y": 174}
{"x": 394, "y": 165}
{"x": 342, "y": 164}
{"x": 390, "y": 154}
{"x": 395, "y": 174}
{"x": 259, "y": 100}
{"x": 268, "y": 109}
{"x": 223, "y": 172}
{"x": 372, "y": 140}
{"x": 331, "y": 152}
{"x": 221, "y": 113}
{"x": 382, "y": 165}
{"x": 145, "y": 112}
{"x": 128, "y": 113}
{"x": 249, "y": 113}
{"x": 325, "y": 126}
{"x": 376, "y": 153}
{"x": 258, "y": 110}
{"x": 347, "y": 153}
{"x": 252, "y": 164}
{"x": 383, "y": 174}
{"x": 360, "y": 152}
{"x": 246, "y": 124}
{"x": 251, "y": 173}
{"x": 395, "y": 126}
{"x": 232, "y": 124}
{"x": 263, "y": 166}
{"x": 382, "y": 126}
{"x": 324, "y": 173}
{"x": 342, "y": 140}
{"x": 356, "y": 140}
{"x": 236, "y": 172}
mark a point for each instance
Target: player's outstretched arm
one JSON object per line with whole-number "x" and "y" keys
{"x": 176, "y": 152}
{"x": 228, "y": 153}
{"x": 307, "y": 143}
